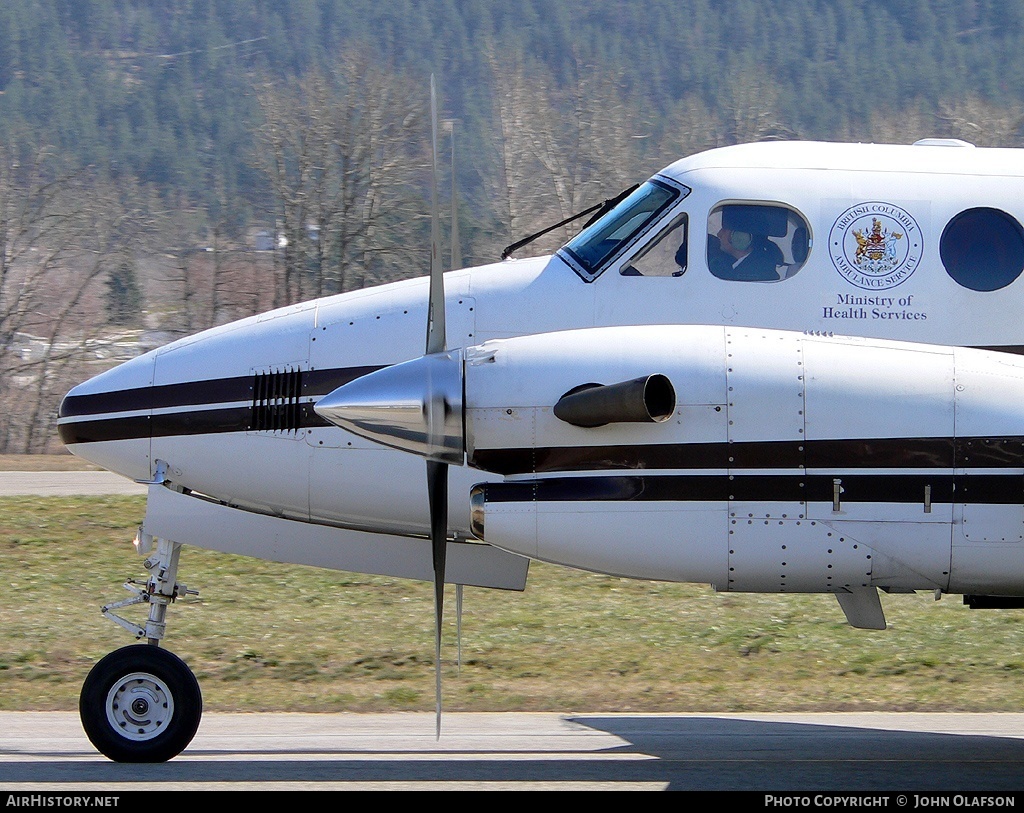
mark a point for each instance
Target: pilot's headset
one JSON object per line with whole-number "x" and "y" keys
{"x": 740, "y": 240}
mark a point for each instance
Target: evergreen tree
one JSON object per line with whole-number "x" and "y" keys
{"x": 124, "y": 296}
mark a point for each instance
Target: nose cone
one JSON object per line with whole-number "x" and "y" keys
{"x": 415, "y": 406}
{"x": 106, "y": 420}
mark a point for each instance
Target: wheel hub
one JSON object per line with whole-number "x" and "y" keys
{"x": 139, "y": 706}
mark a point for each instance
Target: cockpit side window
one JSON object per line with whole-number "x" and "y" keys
{"x": 596, "y": 246}
{"x": 756, "y": 242}
{"x": 663, "y": 256}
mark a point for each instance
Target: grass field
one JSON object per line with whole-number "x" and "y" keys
{"x": 265, "y": 636}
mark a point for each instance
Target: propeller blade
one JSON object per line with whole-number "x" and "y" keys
{"x": 437, "y": 487}
{"x": 435, "y": 310}
{"x": 416, "y": 406}
{"x": 437, "y": 472}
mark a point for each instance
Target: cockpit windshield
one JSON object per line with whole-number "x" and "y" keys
{"x": 593, "y": 247}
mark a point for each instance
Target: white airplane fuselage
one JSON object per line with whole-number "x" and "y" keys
{"x": 794, "y": 460}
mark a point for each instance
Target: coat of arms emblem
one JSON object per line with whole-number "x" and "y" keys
{"x": 875, "y": 245}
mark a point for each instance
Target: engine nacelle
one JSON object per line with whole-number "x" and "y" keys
{"x": 788, "y": 463}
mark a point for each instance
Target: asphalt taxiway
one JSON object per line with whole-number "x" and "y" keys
{"x": 821, "y": 753}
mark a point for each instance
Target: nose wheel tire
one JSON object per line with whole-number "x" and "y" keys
{"x": 140, "y": 704}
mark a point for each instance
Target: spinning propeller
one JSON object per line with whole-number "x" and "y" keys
{"x": 437, "y": 470}
{"x": 416, "y": 406}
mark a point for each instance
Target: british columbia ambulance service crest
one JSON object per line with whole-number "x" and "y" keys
{"x": 875, "y": 245}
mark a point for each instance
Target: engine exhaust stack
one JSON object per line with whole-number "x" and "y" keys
{"x": 649, "y": 399}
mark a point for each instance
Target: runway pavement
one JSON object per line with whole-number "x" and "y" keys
{"x": 957, "y": 755}
{"x": 65, "y": 483}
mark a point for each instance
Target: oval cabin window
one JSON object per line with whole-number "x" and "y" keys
{"x": 983, "y": 249}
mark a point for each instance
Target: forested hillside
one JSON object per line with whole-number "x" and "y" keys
{"x": 165, "y": 91}
{"x": 199, "y": 160}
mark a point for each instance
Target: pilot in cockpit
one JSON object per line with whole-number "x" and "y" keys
{"x": 736, "y": 252}
{"x": 745, "y": 256}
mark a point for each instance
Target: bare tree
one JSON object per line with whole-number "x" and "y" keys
{"x": 560, "y": 151}
{"x": 691, "y": 128}
{"x": 61, "y": 233}
{"x": 971, "y": 119}
{"x": 751, "y": 108}
{"x": 342, "y": 151}
{"x": 902, "y": 127}
{"x": 177, "y": 266}
{"x": 982, "y": 123}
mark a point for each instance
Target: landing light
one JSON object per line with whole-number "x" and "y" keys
{"x": 143, "y": 542}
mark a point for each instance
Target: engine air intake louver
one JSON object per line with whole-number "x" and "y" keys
{"x": 275, "y": 400}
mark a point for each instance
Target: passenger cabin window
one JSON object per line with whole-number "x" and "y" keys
{"x": 664, "y": 256}
{"x": 983, "y": 249}
{"x": 756, "y": 242}
{"x": 590, "y": 251}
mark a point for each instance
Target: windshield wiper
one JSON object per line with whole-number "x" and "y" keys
{"x": 601, "y": 209}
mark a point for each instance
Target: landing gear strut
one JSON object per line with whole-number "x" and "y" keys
{"x": 142, "y": 703}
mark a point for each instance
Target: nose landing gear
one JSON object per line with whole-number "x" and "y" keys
{"x": 141, "y": 703}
